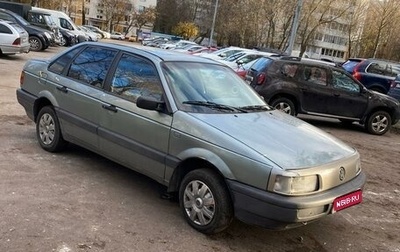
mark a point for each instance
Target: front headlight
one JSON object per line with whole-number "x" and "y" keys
{"x": 48, "y": 35}
{"x": 296, "y": 185}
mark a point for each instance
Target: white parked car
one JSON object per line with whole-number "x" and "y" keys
{"x": 117, "y": 35}
{"x": 177, "y": 44}
{"x": 222, "y": 53}
{"x": 13, "y": 38}
{"x": 244, "y": 57}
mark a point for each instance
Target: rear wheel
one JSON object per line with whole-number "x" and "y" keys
{"x": 36, "y": 44}
{"x": 48, "y": 130}
{"x": 284, "y": 104}
{"x": 378, "y": 123}
{"x": 205, "y": 201}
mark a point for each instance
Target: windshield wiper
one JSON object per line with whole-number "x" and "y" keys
{"x": 215, "y": 106}
{"x": 256, "y": 108}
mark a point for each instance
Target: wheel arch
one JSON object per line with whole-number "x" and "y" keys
{"x": 197, "y": 159}
{"x": 381, "y": 108}
{"x": 292, "y": 97}
{"x": 45, "y": 99}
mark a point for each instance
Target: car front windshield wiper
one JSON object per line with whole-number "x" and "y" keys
{"x": 256, "y": 108}
{"x": 214, "y": 105}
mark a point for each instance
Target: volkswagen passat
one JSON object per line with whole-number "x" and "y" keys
{"x": 193, "y": 125}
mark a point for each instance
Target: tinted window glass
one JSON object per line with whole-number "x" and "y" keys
{"x": 350, "y": 65}
{"x": 344, "y": 82}
{"x": 59, "y": 64}
{"x": 261, "y": 63}
{"x": 289, "y": 70}
{"x": 380, "y": 68}
{"x": 6, "y": 16}
{"x": 5, "y": 29}
{"x": 136, "y": 77}
{"x": 315, "y": 75}
{"x": 91, "y": 65}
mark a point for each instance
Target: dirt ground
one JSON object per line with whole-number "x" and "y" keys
{"x": 79, "y": 201}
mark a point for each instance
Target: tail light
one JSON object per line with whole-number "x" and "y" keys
{"x": 17, "y": 42}
{"x": 356, "y": 73}
{"x": 21, "y": 79}
{"x": 260, "y": 78}
{"x": 393, "y": 84}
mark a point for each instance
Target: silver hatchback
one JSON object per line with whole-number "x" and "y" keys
{"x": 13, "y": 38}
{"x": 194, "y": 126}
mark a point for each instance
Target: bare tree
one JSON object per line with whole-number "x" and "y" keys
{"x": 114, "y": 11}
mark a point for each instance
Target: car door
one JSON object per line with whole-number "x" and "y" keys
{"x": 348, "y": 99}
{"x": 314, "y": 89}
{"x": 132, "y": 136}
{"x": 77, "y": 79}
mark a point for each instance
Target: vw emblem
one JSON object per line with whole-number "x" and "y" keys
{"x": 342, "y": 173}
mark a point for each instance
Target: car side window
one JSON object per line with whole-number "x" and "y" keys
{"x": 91, "y": 65}
{"x": 289, "y": 70}
{"x": 380, "y": 68}
{"x": 4, "y": 29}
{"x": 315, "y": 75}
{"x": 60, "y": 63}
{"x": 344, "y": 82}
{"x": 134, "y": 77}
{"x": 6, "y": 16}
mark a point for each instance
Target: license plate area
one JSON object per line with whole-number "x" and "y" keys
{"x": 346, "y": 201}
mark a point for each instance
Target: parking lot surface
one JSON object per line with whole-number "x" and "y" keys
{"x": 79, "y": 201}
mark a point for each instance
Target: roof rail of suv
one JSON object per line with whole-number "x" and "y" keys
{"x": 293, "y": 58}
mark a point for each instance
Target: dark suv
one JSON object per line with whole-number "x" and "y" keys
{"x": 297, "y": 86}
{"x": 377, "y": 75}
{"x": 39, "y": 38}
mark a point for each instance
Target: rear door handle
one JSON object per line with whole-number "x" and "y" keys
{"x": 63, "y": 89}
{"x": 110, "y": 107}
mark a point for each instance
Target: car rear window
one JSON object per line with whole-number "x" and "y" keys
{"x": 261, "y": 63}
{"x": 350, "y": 65}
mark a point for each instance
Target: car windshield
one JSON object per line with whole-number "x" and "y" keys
{"x": 199, "y": 87}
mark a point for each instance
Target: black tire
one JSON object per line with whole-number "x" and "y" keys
{"x": 378, "y": 123}
{"x": 284, "y": 104}
{"x": 48, "y": 130}
{"x": 36, "y": 44}
{"x": 210, "y": 204}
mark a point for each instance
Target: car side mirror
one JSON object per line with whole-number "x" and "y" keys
{"x": 149, "y": 103}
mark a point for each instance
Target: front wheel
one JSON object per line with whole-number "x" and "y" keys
{"x": 205, "y": 201}
{"x": 378, "y": 123}
{"x": 48, "y": 130}
{"x": 284, "y": 104}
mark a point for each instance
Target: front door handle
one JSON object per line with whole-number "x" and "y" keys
{"x": 110, "y": 107}
{"x": 63, "y": 89}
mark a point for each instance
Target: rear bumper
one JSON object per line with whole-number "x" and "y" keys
{"x": 274, "y": 211}
{"x": 27, "y": 101}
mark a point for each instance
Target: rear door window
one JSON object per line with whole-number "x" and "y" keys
{"x": 4, "y": 29}
{"x": 315, "y": 75}
{"x": 91, "y": 65}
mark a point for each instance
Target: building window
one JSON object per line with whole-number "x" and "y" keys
{"x": 141, "y": 8}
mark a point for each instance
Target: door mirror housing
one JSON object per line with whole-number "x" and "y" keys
{"x": 149, "y": 103}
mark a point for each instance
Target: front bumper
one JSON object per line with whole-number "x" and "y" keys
{"x": 274, "y": 211}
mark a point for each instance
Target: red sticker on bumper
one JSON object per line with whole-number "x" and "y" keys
{"x": 346, "y": 201}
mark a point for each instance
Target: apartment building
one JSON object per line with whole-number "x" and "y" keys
{"x": 331, "y": 40}
{"x": 96, "y": 15}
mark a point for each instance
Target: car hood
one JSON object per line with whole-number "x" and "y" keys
{"x": 382, "y": 97}
{"x": 283, "y": 139}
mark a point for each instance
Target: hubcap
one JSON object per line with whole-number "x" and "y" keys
{"x": 34, "y": 44}
{"x": 199, "y": 202}
{"x": 379, "y": 123}
{"x": 284, "y": 107}
{"x": 46, "y": 129}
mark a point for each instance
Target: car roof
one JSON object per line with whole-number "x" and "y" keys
{"x": 162, "y": 55}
